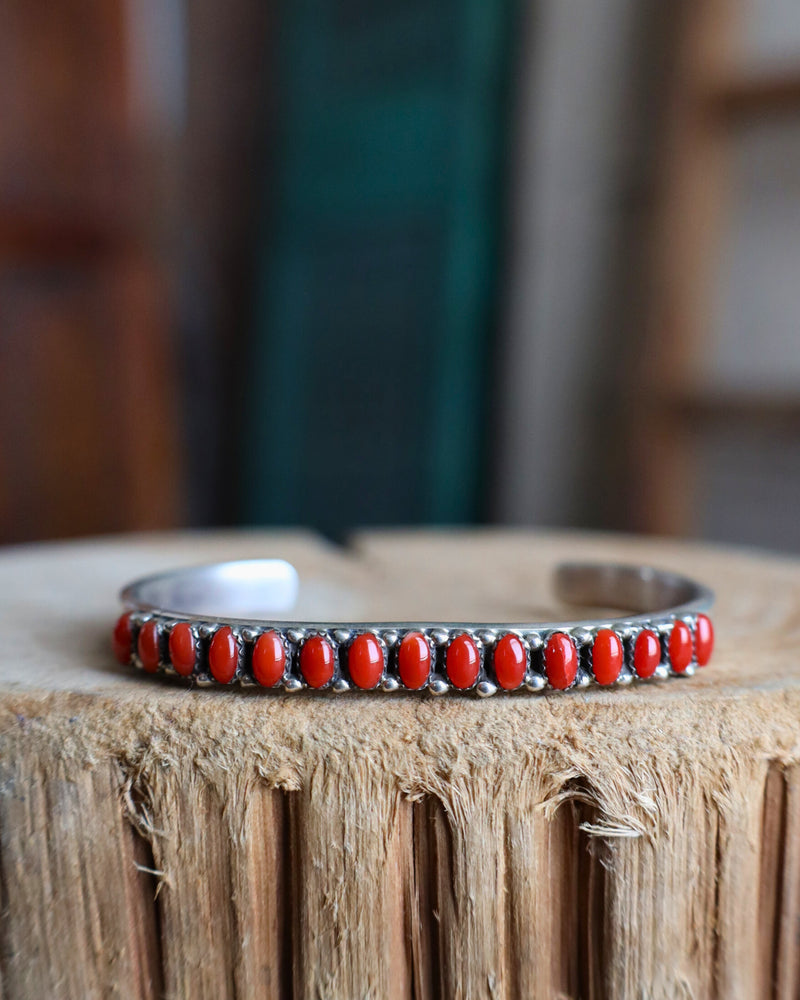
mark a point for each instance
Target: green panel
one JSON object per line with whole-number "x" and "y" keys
{"x": 365, "y": 386}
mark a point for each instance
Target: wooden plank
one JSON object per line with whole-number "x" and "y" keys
{"x": 741, "y": 98}
{"x": 88, "y": 416}
{"x": 690, "y": 190}
{"x": 715, "y": 405}
{"x": 66, "y": 145}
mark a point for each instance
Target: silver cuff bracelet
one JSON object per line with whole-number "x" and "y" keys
{"x": 232, "y": 623}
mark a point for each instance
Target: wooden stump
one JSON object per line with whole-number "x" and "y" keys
{"x": 154, "y": 840}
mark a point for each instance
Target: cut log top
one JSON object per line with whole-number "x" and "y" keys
{"x": 60, "y": 600}
{"x": 434, "y": 847}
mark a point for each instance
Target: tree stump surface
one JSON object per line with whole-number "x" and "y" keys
{"x": 160, "y": 841}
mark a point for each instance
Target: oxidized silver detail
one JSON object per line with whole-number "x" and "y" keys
{"x": 583, "y": 636}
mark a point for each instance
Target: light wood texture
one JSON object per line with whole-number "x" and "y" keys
{"x": 157, "y": 841}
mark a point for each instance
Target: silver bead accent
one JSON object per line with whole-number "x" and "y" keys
{"x": 342, "y": 635}
{"x": 486, "y": 689}
{"x": 292, "y": 684}
{"x": 438, "y": 686}
{"x": 340, "y": 685}
{"x": 487, "y": 636}
{"x": 390, "y": 637}
{"x": 390, "y": 684}
{"x": 582, "y": 679}
{"x": 295, "y": 634}
{"x": 534, "y": 682}
{"x": 534, "y": 640}
{"x": 439, "y": 635}
{"x": 206, "y": 631}
{"x": 248, "y": 634}
{"x": 661, "y": 671}
{"x": 625, "y": 677}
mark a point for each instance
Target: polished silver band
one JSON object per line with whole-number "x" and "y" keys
{"x": 249, "y": 599}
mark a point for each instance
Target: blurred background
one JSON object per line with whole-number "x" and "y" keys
{"x": 339, "y": 263}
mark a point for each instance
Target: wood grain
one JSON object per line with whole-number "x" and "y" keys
{"x": 157, "y": 841}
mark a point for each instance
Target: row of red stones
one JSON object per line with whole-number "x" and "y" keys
{"x": 367, "y": 659}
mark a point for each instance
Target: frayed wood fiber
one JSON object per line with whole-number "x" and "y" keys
{"x": 155, "y": 841}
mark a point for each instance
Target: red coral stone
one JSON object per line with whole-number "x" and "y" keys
{"x": 269, "y": 658}
{"x": 680, "y": 646}
{"x": 223, "y": 655}
{"x": 414, "y": 660}
{"x": 703, "y": 639}
{"x": 607, "y": 656}
{"x": 182, "y": 649}
{"x": 317, "y": 661}
{"x": 463, "y": 661}
{"x": 560, "y": 660}
{"x": 365, "y": 661}
{"x": 121, "y": 639}
{"x": 509, "y": 662}
{"x": 646, "y": 653}
{"x": 147, "y": 646}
